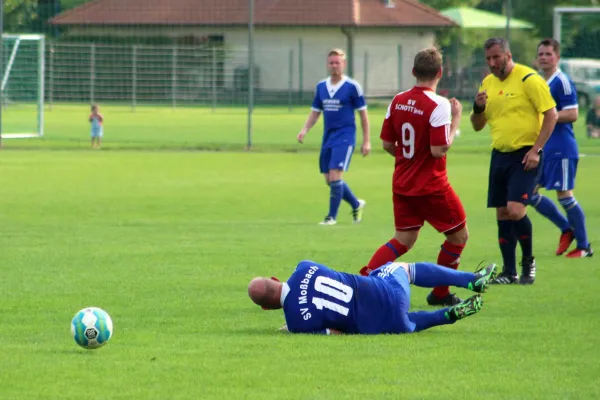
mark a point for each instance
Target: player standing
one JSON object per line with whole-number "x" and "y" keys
{"x": 561, "y": 157}
{"x": 517, "y": 104}
{"x": 418, "y": 130}
{"x": 338, "y": 97}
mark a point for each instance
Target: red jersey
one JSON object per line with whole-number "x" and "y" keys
{"x": 416, "y": 120}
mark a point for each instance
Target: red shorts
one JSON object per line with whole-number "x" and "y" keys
{"x": 443, "y": 211}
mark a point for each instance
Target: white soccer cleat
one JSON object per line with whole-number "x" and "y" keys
{"x": 328, "y": 221}
{"x": 358, "y": 212}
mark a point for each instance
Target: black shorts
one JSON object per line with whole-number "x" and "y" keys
{"x": 508, "y": 179}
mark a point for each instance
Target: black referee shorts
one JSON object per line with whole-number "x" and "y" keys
{"x": 508, "y": 180}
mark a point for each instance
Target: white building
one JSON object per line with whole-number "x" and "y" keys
{"x": 291, "y": 37}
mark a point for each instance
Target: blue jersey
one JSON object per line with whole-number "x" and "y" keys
{"x": 316, "y": 298}
{"x": 562, "y": 142}
{"x": 338, "y": 103}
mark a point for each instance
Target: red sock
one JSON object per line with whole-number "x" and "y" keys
{"x": 449, "y": 257}
{"x": 385, "y": 254}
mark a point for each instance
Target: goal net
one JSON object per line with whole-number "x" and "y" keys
{"x": 578, "y": 31}
{"x": 22, "y": 86}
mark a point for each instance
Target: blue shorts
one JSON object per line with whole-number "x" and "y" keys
{"x": 335, "y": 158}
{"x": 508, "y": 179}
{"x": 558, "y": 174}
{"x": 393, "y": 271}
{"x": 97, "y": 134}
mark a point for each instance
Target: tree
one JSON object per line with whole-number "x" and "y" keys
{"x": 68, "y": 4}
{"x": 443, "y": 4}
{"x": 19, "y": 15}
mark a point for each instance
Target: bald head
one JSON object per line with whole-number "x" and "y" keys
{"x": 265, "y": 292}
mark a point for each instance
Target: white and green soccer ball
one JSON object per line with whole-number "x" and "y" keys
{"x": 92, "y": 328}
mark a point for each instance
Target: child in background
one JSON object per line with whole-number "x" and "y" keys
{"x": 593, "y": 120}
{"x": 97, "y": 121}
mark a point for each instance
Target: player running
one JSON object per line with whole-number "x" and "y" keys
{"x": 418, "y": 130}
{"x": 317, "y": 299}
{"x": 561, "y": 156}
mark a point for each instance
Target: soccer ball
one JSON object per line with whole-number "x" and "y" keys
{"x": 91, "y": 328}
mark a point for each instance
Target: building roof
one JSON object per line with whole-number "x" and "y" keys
{"x": 359, "y": 13}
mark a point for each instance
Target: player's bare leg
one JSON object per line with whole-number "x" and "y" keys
{"x": 449, "y": 257}
{"x": 576, "y": 218}
{"x": 407, "y": 238}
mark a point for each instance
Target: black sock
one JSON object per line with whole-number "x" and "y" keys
{"x": 524, "y": 231}
{"x": 507, "y": 240}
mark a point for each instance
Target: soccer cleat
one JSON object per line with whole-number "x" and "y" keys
{"x": 566, "y": 238}
{"x": 483, "y": 276}
{"x": 470, "y": 306}
{"x": 328, "y": 221}
{"x": 358, "y": 211}
{"x": 504, "y": 278}
{"x": 527, "y": 271}
{"x": 581, "y": 253}
{"x": 449, "y": 300}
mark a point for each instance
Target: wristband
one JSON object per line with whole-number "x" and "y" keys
{"x": 477, "y": 109}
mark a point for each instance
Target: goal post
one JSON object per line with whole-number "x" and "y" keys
{"x": 559, "y": 12}
{"x": 22, "y": 85}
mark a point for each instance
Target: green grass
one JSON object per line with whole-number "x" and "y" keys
{"x": 155, "y": 128}
{"x": 166, "y": 242}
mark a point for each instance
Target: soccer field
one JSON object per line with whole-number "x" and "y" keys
{"x": 166, "y": 242}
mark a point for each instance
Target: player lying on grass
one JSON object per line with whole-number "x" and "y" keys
{"x": 317, "y": 299}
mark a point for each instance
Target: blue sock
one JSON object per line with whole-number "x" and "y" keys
{"x": 427, "y": 319}
{"x": 349, "y": 197}
{"x": 335, "y": 197}
{"x": 524, "y": 231}
{"x": 577, "y": 220}
{"x": 548, "y": 209}
{"x": 431, "y": 275}
{"x": 507, "y": 239}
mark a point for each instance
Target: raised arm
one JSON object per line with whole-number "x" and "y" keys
{"x": 478, "y": 120}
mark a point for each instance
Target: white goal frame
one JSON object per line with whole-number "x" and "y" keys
{"x": 41, "y": 80}
{"x": 557, "y": 17}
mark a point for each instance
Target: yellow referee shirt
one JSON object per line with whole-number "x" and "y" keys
{"x": 515, "y": 106}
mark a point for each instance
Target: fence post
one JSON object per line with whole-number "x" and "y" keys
{"x": 174, "y": 79}
{"x": 290, "y": 79}
{"x": 133, "y": 77}
{"x": 51, "y": 77}
{"x": 92, "y": 71}
{"x": 399, "y": 88}
{"x": 250, "y": 72}
{"x": 214, "y": 78}
{"x": 300, "y": 71}
{"x": 365, "y": 71}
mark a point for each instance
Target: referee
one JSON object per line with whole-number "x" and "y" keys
{"x": 516, "y": 102}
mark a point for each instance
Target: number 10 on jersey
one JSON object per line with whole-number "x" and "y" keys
{"x": 335, "y": 289}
